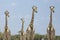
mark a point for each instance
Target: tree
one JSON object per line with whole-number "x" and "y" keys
{"x": 38, "y": 37}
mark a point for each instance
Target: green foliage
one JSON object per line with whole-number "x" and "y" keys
{"x": 37, "y": 37}
{"x": 1, "y": 35}
{"x": 57, "y": 37}
{"x": 15, "y": 37}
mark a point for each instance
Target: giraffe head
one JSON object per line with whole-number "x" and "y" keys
{"x": 7, "y": 13}
{"x": 52, "y": 8}
{"x": 22, "y": 19}
{"x": 34, "y": 9}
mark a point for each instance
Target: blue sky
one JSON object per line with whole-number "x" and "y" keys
{"x": 23, "y": 8}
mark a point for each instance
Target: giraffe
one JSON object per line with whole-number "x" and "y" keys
{"x": 31, "y": 25}
{"x": 22, "y": 35}
{"x": 50, "y": 29}
{"x": 7, "y": 31}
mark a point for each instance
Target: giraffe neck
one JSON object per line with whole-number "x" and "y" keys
{"x": 22, "y": 26}
{"x": 6, "y": 27}
{"x": 32, "y": 20}
{"x": 50, "y": 20}
{"x": 6, "y": 21}
{"x": 22, "y": 29}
